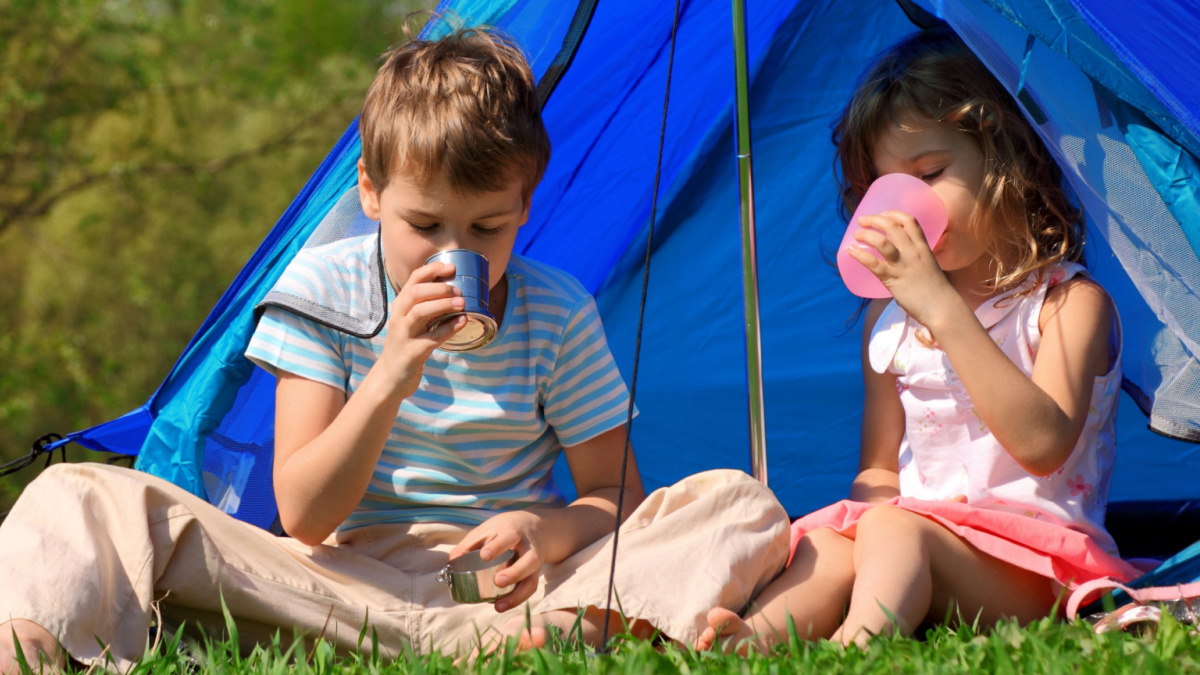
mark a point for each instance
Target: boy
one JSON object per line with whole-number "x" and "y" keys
{"x": 392, "y": 456}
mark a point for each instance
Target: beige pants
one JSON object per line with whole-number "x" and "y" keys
{"x": 89, "y": 548}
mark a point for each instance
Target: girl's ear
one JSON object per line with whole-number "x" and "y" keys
{"x": 368, "y": 196}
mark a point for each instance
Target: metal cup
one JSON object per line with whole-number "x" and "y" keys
{"x": 471, "y": 277}
{"x": 472, "y": 579}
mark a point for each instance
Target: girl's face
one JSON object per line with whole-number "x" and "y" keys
{"x": 948, "y": 161}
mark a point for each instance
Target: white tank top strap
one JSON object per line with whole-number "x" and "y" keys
{"x": 886, "y": 336}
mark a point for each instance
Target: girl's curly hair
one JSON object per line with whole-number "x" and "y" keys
{"x": 1021, "y": 212}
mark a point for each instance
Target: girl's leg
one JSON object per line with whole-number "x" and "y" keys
{"x": 813, "y": 591}
{"x": 909, "y": 568}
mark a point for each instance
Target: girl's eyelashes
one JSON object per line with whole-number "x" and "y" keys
{"x": 423, "y": 227}
{"x": 933, "y": 174}
{"x": 487, "y": 230}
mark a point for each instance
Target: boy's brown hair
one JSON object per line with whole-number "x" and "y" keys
{"x": 464, "y": 106}
{"x": 1021, "y": 211}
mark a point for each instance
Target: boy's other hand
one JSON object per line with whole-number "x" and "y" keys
{"x": 421, "y": 301}
{"x": 516, "y": 531}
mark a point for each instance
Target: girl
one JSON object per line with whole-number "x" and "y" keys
{"x": 990, "y": 380}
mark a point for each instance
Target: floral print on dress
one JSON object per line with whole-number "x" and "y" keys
{"x": 1079, "y": 486}
{"x": 930, "y": 426}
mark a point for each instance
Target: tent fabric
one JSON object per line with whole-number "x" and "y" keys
{"x": 1107, "y": 100}
{"x": 809, "y": 351}
{"x": 1132, "y": 176}
{"x": 208, "y": 381}
{"x": 1128, "y": 29}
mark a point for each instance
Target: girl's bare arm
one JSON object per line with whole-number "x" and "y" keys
{"x": 878, "y": 478}
{"x": 1038, "y": 420}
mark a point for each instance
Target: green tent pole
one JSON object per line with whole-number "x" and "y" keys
{"x": 758, "y": 422}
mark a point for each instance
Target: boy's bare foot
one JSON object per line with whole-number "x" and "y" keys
{"x": 37, "y": 645}
{"x": 534, "y": 633}
{"x": 725, "y": 627}
{"x": 529, "y": 634}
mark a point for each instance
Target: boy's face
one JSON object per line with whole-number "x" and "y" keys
{"x": 420, "y": 220}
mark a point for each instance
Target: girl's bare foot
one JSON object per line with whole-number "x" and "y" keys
{"x": 725, "y": 627}
{"x": 860, "y": 637}
{"x": 40, "y": 649}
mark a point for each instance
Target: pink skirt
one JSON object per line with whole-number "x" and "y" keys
{"x": 1067, "y": 556}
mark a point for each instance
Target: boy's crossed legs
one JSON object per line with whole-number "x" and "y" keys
{"x": 898, "y": 560}
{"x": 69, "y": 521}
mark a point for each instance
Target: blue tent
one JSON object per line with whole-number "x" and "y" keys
{"x": 1107, "y": 85}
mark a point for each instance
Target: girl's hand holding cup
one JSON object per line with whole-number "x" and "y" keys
{"x": 886, "y": 250}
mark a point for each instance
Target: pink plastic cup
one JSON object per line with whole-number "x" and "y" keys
{"x": 890, "y": 192}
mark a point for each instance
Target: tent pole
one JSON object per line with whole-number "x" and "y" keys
{"x": 758, "y": 422}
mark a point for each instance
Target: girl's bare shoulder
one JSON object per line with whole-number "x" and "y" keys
{"x": 1078, "y": 298}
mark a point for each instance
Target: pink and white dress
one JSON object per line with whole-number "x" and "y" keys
{"x": 1051, "y": 525}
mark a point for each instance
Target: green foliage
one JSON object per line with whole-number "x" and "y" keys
{"x": 1045, "y": 647}
{"x": 146, "y": 147}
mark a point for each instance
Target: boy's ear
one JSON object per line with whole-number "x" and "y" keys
{"x": 528, "y": 200}
{"x": 524, "y": 214}
{"x": 368, "y": 196}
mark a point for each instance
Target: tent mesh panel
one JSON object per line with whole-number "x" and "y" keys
{"x": 1087, "y": 130}
{"x": 239, "y": 454}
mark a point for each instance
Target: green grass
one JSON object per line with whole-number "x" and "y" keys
{"x": 1044, "y": 647}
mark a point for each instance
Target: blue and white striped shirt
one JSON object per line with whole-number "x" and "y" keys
{"x": 483, "y": 430}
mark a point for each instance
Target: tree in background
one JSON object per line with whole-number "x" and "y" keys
{"x": 146, "y": 147}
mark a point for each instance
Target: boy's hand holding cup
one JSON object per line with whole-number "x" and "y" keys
{"x": 471, "y": 277}
{"x": 413, "y": 327}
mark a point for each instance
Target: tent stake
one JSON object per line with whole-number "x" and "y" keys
{"x": 758, "y": 422}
